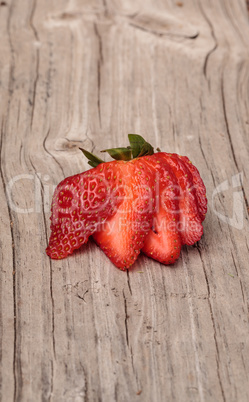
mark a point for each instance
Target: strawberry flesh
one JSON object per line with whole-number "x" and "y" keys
{"x": 122, "y": 236}
{"x": 190, "y": 226}
{"x": 199, "y": 187}
{"x": 163, "y": 242}
{"x": 80, "y": 204}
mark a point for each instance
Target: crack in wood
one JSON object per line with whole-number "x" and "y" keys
{"x": 213, "y": 325}
{"x": 105, "y": 8}
{"x": 202, "y": 152}
{"x": 162, "y": 34}
{"x": 36, "y": 36}
{"x": 31, "y": 21}
{"x": 49, "y": 73}
{"x": 35, "y": 86}
{"x": 128, "y": 281}
{"x": 236, "y": 269}
{"x": 49, "y": 153}
{"x": 126, "y": 319}
{"x": 86, "y": 399}
{"x": 82, "y": 297}
{"x": 127, "y": 334}
{"x": 245, "y": 199}
{"x": 99, "y": 64}
{"x": 215, "y": 46}
{"x": 51, "y": 279}
{"x": 226, "y": 120}
{"x": 52, "y": 381}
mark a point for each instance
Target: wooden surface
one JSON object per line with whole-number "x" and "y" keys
{"x": 84, "y": 72}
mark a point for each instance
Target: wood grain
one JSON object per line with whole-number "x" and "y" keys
{"x": 86, "y": 73}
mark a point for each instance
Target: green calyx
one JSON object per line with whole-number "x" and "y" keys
{"x": 120, "y": 154}
{"x": 92, "y": 159}
{"x": 138, "y": 147}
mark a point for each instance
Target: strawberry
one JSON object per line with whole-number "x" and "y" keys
{"x": 163, "y": 242}
{"x": 83, "y": 202}
{"x": 177, "y": 221}
{"x": 122, "y": 236}
{"x": 190, "y": 221}
{"x": 199, "y": 187}
{"x": 80, "y": 204}
{"x": 141, "y": 200}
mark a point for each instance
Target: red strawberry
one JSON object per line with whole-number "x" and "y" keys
{"x": 199, "y": 187}
{"x": 122, "y": 236}
{"x": 190, "y": 221}
{"x": 116, "y": 203}
{"x": 163, "y": 242}
{"x": 80, "y": 204}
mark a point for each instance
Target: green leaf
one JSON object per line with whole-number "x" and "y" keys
{"x": 123, "y": 154}
{"x": 93, "y": 164}
{"x": 139, "y": 146}
{"x": 136, "y": 142}
{"x": 92, "y": 159}
{"x": 146, "y": 149}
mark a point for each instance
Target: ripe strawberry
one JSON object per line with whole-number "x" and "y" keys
{"x": 199, "y": 187}
{"x": 122, "y": 236}
{"x": 153, "y": 202}
{"x": 163, "y": 242}
{"x": 190, "y": 227}
{"x": 80, "y": 204}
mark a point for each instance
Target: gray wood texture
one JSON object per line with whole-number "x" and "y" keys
{"x": 87, "y": 73}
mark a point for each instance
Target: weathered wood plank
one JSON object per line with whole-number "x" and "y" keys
{"x": 87, "y": 73}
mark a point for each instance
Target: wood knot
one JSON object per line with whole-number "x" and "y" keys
{"x": 63, "y": 144}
